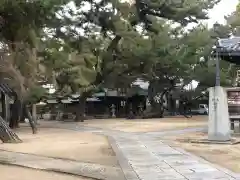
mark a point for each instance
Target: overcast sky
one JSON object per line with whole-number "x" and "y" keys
{"x": 225, "y": 7}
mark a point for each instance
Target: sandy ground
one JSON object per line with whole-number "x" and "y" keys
{"x": 146, "y": 125}
{"x": 29, "y": 174}
{"x": 227, "y": 156}
{"x": 81, "y": 146}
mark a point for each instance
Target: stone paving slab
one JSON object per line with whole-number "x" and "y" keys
{"x": 127, "y": 169}
{"x": 95, "y": 171}
{"x": 151, "y": 159}
{"x": 143, "y": 156}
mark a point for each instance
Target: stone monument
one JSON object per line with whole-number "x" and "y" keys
{"x": 218, "y": 122}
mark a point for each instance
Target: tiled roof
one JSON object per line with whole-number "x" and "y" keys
{"x": 228, "y": 50}
{"x": 229, "y": 43}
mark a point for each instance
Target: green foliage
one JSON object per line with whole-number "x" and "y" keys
{"x": 35, "y": 94}
{"x": 111, "y": 45}
{"x": 22, "y": 23}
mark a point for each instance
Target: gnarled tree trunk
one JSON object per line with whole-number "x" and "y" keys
{"x": 5, "y": 107}
{"x": 15, "y": 114}
{"x": 6, "y": 134}
{"x": 28, "y": 115}
{"x": 34, "y": 113}
{"x": 80, "y": 111}
{"x": 158, "y": 108}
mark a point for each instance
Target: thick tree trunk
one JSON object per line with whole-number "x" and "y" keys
{"x": 157, "y": 107}
{"x": 27, "y": 114}
{"x": 5, "y": 107}
{"x": 155, "y": 110}
{"x": 34, "y": 113}
{"x": 161, "y": 111}
{"x": 22, "y": 117}
{"x": 15, "y": 114}
{"x": 6, "y": 134}
{"x": 80, "y": 111}
{"x": 3, "y": 102}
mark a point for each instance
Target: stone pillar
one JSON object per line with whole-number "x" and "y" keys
{"x": 218, "y": 119}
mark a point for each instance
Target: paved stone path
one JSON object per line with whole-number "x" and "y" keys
{"x": 143, "y": 156}
{"x": 153, "y": 160}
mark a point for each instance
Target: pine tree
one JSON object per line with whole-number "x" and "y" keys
{"x": 21, "y": 25}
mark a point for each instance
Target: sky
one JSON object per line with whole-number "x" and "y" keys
{"x": 224, "y": 8}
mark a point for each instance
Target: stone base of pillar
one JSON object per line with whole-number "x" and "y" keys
{"x": 218, "y": 119}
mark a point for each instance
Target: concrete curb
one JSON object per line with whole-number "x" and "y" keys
{"x": 128, "y": 171}
{"x": 89, "y": 170}
{"x": 46, "y": 170}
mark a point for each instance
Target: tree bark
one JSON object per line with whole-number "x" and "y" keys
{"x": 6, "y": 134}
{"x": 5, "y": 107}
{"x": 15, "y": 115}
{"x": 3, "y": 102}
{"x": 22, "y": 117}
{"x": 28, "y": 115}
{"x": 80, "y": 111}
{"x": 158, "y": 108}
{"x": 34, "y": 113}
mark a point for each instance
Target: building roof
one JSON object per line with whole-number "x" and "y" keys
{"x": 137, "y": 90}
{"x": 229, "y": 43}
{"x": 228, "y": 49}
{"x": 70, "y": 100}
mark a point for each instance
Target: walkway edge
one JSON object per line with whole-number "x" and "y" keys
{"x": 226, "y": 171}
{"x": 46, "y": 170}
{"x": 94, "y": 171}
{"x": 128, "y": 171}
